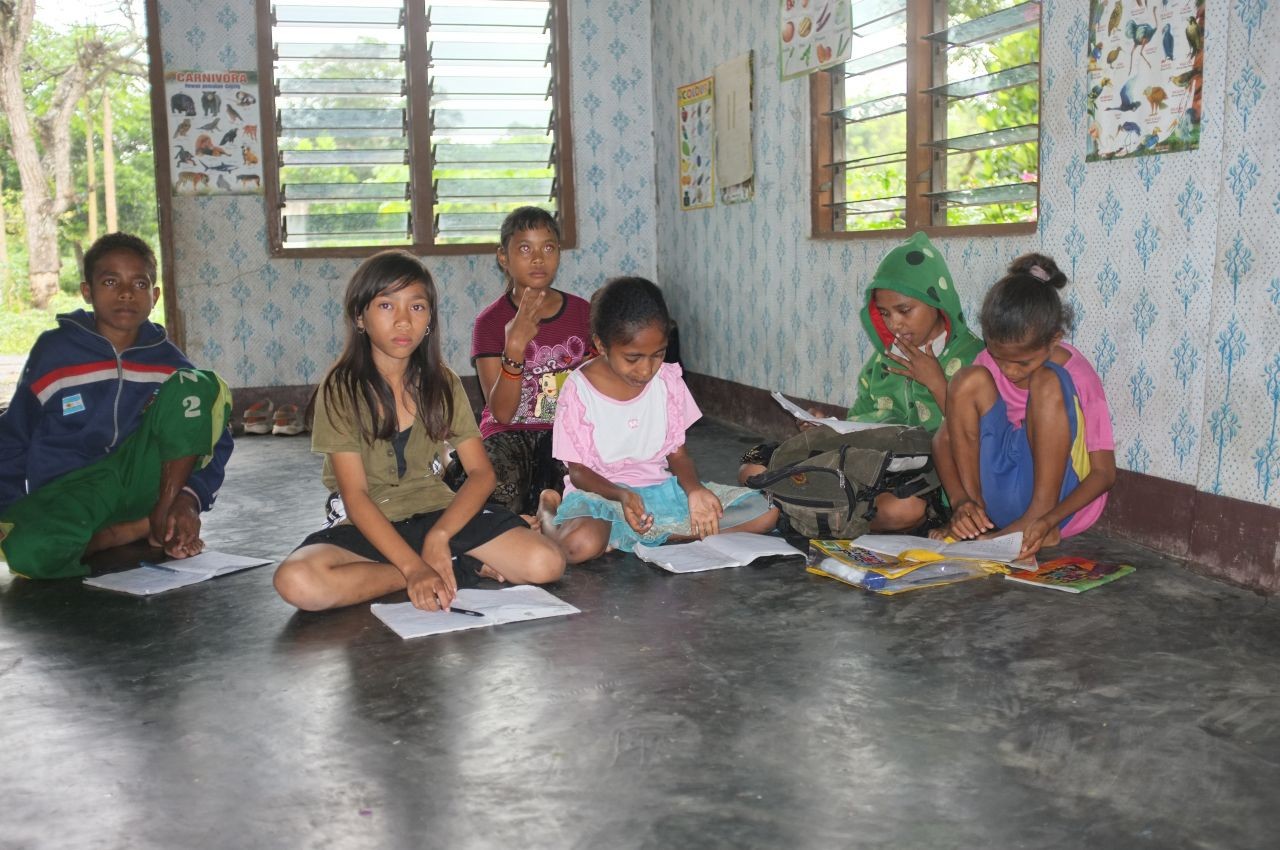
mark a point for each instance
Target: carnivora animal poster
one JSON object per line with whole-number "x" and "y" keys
{"x": 1146, "y": 63}
{"x": 213, "y": 132}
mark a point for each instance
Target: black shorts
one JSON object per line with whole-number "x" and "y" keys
{"x": 479, "y": 530}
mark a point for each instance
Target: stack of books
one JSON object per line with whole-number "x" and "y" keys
{"x": 897, "y": 563}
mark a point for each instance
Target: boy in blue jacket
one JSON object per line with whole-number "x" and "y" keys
{"x": 112, "y": 435}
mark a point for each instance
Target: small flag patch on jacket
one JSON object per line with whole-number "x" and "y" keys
{"x": 72, "y": 404}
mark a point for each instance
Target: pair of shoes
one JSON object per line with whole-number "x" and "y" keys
{"x": 257, "y": 417}
{"x": 288, "y": 421}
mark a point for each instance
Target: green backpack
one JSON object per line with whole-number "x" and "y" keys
{"x": 826, "y": 483}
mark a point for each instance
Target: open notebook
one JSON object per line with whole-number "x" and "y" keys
{"x": 508, "y": 605}
{"x": 735, "y": 549}
{"x": 150, "y": 579}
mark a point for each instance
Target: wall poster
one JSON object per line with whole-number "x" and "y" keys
{"x": 213, "y": 132}
{"x": 1145, "y": 77}
{"x": 815, "y": 34}
{"x": 697, "y": 144}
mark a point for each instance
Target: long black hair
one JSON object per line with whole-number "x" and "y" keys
{"x": 354, "y": 378}
{"x": 1024, "y": 307}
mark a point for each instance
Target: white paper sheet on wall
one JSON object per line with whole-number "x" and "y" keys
{"x": 733, "y": 121}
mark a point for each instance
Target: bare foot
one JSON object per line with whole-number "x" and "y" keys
{"x": 487, "y": 571}
{"x": 118, "y": 535}
{"x": 548, "y": 504}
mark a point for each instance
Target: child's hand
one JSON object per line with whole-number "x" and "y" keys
{"x": 437, "y": 556}
{"x": 427, "y": 590}
{"x": 969, "y": 519}
{"x": 523, "y": 326}
{"x": 705, "y": 511}
{"x": 805, "y": 425}
{"x": 176, "y": 527}
{"x": 1037, "y": 534}
{"x": 920, "y": 366}
{"x": 634, "y": 512}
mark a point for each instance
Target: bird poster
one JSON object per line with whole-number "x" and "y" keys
{"x": 213, "y": 132}
{"x": 1146, "y": 64}
{"x": 697, "y": 144}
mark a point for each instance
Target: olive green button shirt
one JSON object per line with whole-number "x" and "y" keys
{"x": 421, "y": 489}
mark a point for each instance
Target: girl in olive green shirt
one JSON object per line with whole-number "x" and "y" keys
{"x": 382, "y": 415}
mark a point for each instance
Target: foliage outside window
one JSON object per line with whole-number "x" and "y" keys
{"x": 412, "y": 123}
{"x": 933, "y": 122}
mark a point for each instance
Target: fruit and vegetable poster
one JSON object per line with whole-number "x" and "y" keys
{"x": 1146, "y": 62}
{"x": 213, "y": 132}
{"x": 815, "y": 35}
{"x": 697, "y": 144}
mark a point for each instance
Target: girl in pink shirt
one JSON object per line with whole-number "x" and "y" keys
{"x": 620, "y": 428}
{"x": 1027, "y": 443}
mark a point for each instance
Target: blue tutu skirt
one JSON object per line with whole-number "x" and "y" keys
{"x": 669, "y": 506}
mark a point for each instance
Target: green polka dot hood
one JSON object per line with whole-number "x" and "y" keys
{"x": 915, "y": 269}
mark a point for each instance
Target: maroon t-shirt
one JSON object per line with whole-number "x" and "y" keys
{"x": 563, "y": 342}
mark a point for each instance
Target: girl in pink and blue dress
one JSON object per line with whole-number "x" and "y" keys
{"x": 620, "y": 429}
{"x": 1027, "y": 444}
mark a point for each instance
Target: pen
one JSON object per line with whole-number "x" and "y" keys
{"x": 456, "y": 610}
{"x": 157, "y": 566}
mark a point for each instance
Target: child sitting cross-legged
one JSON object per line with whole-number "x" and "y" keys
{"x": 1027, "y": 444}
{"x": 382, "y": 415}
{"x": 620, "y": 428}
{"x": 112, "y": 436}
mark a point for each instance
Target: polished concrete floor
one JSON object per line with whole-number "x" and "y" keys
{"x": 756, "y": 707}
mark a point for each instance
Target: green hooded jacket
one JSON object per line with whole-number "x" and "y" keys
{"x": 915, "y": 269}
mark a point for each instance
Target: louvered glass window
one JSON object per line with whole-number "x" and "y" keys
{"x": 399, "y": 122}
{"x": 933, "y": 122}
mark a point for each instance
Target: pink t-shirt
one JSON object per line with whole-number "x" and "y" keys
{"x": 1097, "y": 419}
{"x": 658, "y": 417}
{"x": 562, "y": 343}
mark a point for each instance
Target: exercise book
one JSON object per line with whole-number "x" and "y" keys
{"x": 152, "y": 578}
{"x": 735, "y": 549}
{"x": 494, "y": 607}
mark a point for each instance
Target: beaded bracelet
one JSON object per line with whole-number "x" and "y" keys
{"x": 517, "y": 365}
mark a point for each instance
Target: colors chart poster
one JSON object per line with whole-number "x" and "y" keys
{"x": 697, "y": 144}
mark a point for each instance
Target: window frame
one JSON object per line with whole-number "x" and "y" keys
{"x": 924, "y": 59}
{"x": 421, "y": 163}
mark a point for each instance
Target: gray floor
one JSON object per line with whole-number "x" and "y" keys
{"x": 756, "y": 707}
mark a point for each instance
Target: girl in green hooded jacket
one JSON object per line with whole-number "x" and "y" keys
{"x": 917, "y": 328}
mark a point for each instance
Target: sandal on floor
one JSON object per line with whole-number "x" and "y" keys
{"x": 288, "y": 421}
{"x": 257, "y": 417}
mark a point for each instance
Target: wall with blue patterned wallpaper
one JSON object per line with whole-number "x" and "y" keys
{"x": 271, "y": 322}
{"x": 1174, "y": 260}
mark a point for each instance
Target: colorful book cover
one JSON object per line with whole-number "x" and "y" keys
{"x": 1074, "y": 575}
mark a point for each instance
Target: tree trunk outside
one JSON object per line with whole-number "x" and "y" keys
{"x": 5, "y": 276}
{"x": 109, "y": 164}
{"x": 91, "y": 176}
